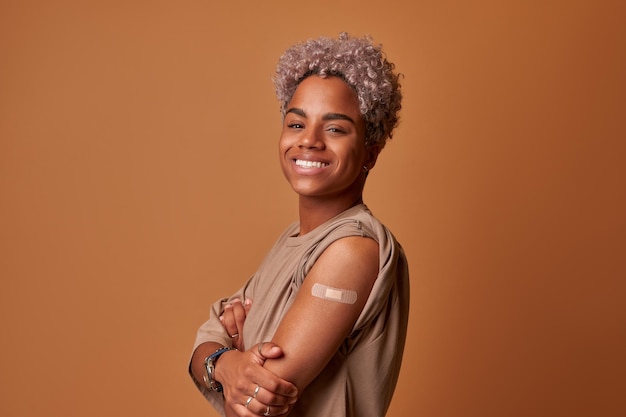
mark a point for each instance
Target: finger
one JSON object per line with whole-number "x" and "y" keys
{"x": 247, "y": 304}
{"x": 228, "y": 321}
{"x": 239, "y": 314}
{"x": 256, "y": 398}
{"x": 276, "y": 386}
{"x": 267, "y": 397}
{"x": 266, "y": 378}
{"x": 252, "y": 406}
{"x": 241, "y": 379}
{"x": 268, "y": 350}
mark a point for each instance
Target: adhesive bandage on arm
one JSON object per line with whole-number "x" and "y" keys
{"x": 333, "y": 294}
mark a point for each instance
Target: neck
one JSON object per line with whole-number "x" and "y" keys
{"x": 314, "y": 212}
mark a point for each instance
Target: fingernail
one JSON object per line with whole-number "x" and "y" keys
{"x": 236, "y": 300}
{"x": 221, "y": 318}
{"x": 248, "y": 301}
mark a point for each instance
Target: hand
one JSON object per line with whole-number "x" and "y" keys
{"x": 233, "y": 319}
{"x": 240, "y": 373}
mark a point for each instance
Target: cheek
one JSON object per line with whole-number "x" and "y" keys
{"x": 282, "y": 146}
{"x": 354, "y": 156}
{"x": 285, "y": 140}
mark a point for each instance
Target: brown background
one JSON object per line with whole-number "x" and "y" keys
{"x": 139, "y": 182}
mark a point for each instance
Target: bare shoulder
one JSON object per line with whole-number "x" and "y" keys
{"x": 348, "y": 258}
{"x": 353, "y": 247}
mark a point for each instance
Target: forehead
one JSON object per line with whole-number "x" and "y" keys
{"x": 331, "y": 93}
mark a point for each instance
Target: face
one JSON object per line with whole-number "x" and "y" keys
{"x": 322, "y": 144}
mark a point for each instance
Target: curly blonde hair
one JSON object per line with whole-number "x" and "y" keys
{"x": 361, "y": 64}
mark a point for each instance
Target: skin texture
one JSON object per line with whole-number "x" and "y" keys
{"x": 323, "y": 124}
{"x": 324, "y": 127}
{"x": 240, "y": 372}
{"x": 233, "y": 319}
{"x": 361, "y": 63}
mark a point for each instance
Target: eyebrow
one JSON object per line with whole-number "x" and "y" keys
{"x": 327, "y": 116}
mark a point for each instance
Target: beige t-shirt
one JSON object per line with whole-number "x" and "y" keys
{"x": 360, "y": 378}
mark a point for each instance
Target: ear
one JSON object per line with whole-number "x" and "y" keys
{"x": 372, "y": 152}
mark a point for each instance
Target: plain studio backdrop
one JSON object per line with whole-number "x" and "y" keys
{"x": 139, "y": 182}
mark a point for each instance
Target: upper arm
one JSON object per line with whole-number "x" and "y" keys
{"x": 314, "y": 328}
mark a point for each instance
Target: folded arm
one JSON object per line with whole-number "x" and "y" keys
{"x": 315, "y": 326}
{"x": 241, "y": 373}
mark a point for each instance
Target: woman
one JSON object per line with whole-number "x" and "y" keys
{"x": 325, "y": 332}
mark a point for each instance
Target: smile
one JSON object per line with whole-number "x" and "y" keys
{"x": 310, "y": 164}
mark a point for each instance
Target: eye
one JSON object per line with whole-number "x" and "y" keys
{"x": 295, "y": 125}
{"x": 336, "y": 130}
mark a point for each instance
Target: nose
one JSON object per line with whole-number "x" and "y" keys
{"x": 311, "y": 139}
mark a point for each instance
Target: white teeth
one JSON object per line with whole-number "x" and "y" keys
{"x": 310, "y": 164}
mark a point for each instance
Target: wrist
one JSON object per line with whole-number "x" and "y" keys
{"x": 219, "y": 369}
{"x": 209, "y": 377}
